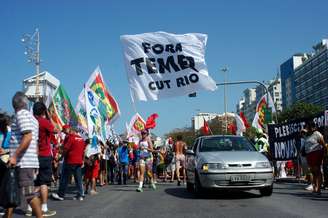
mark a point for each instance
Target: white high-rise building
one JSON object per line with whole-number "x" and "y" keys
{"x": 250, "y": 103}
{"x": 276, "y": 94}
{"x": 240, "y": 105}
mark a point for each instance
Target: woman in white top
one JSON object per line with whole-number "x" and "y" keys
{"x": 145, "y": 160}
{"x": 314, "y": 145}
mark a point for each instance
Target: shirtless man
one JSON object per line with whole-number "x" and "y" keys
{"x": 180, "y": 148}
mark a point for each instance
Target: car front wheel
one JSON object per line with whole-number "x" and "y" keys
{"x": 267, "y": 191}
{"x": 190, "y": 187}
{"x": 197, "y": 186}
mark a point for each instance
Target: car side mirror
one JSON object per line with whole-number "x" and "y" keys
{"x": 190, "y": 152}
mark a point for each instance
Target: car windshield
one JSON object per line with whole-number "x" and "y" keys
{"x": 222, "y": 143}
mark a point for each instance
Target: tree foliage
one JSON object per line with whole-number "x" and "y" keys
{"x": 217, "y": 127}
{"x": 299, "y": 110}
{"x": 250, "y": 133}
{"x": 188, "y": 135}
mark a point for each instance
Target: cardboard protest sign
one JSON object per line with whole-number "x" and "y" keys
{"x": 161, "y": 64}
{"x": 284, "y": 138}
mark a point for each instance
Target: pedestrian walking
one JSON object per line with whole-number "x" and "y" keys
{"x": 180, "y": 148}
{"x": 112, "y": 163}
{"x": 170, "y": 158}
{"x": 103, "y": 164}
{"x": 123, "y": 160}
{"x": 5, "y": 134}
{"x": 73, "y": 152}
{"x": 44, "y": 177}
{"x": 314, "y": 149}
{"x": 145, "y": 160}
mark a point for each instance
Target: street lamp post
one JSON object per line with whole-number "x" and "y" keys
{"x": 32, "y": 51}
{"x": 246, "y": 82}
{"x": 225, "y": 70}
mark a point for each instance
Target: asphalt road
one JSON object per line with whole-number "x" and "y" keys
{"x": 169, "y": 200}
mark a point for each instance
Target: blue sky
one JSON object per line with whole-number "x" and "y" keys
{"x": 252, "y": 38}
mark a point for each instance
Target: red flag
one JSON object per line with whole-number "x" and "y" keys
{"x": 205, "y": 128}
{"x": 232, "y": 128}
{"x": 151, "y": 121}
{"x": 242, "y": 116}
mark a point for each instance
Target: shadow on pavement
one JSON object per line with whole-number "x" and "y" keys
{"x": 211, "y": 194}
{"x": 295, "y": 187}
{"x": 306, "y": 195}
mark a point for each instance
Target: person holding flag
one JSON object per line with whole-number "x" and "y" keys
{"x": 74, "y": 147}
{"x": 262, "y": 143}
{"x": 93, "y": 165}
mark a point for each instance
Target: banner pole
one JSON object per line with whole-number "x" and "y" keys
{"x": 299, "y": 174}
{"x": 133, "y": 103}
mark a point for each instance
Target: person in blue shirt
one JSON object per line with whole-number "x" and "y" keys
{"x": 123, "y": 159}
{"x": 5, "y": 134}
{"x": 5, "y": 131}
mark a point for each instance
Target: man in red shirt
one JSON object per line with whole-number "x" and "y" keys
{"x": 73, "y": 153}
{"x": 44, "y": 177}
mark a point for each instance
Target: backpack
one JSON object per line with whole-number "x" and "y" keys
{"x": 168, "y": 157}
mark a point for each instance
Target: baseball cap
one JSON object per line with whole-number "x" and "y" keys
{"x": 66, "y": 126}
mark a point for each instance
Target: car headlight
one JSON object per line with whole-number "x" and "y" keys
{"x": 212, "y": 166}
{"x": 264, "y": 164}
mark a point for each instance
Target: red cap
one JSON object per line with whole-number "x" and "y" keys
{"x": 66, "y": 126}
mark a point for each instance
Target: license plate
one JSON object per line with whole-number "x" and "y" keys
{"x": 240, "y": 178}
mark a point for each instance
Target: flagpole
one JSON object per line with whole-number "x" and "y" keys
{"x": 225, "y": 70}
{"x": 85, "y": 106}
{"x": 207, "y": 125}
{"x": 133, "y": 103}
{"x": 210, "y": 129}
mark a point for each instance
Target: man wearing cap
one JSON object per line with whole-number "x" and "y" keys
{"x": 73, "y": 152}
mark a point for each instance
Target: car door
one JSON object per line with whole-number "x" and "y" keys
{"x": 191, "y": 162}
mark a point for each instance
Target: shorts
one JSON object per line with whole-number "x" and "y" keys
{"x": 44, "y": 176}
{"x": 314, "y": 158}
{"x": 180, "y": 160}
{"x": 26, "y": 182}
{"x": 103, "y": 164}
{"x": 304, "y": 165}
{"x": 132, "y": 161}
{"x": 92, "y": 172}
{"x": 171, "y": 167}
{"x": 146, "y": 162}
{"x": 154, "y": 168}
{"x": 161, "y": 168}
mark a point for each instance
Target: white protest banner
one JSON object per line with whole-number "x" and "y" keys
{"x": 163, "y": 65}
{"x": 92, "y": 112}
{"x": 93, "y": 147}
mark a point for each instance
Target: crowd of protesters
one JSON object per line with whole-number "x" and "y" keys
{"x": 311, "y": 164}
{"x": 44, "y": 155}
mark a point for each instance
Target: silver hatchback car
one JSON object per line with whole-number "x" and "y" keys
{"x": 227, "y": 162}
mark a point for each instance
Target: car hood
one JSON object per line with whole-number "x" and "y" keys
{"x": 231, "y": 156}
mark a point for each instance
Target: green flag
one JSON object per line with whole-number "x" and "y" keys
{"x": 61, "y": 110}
